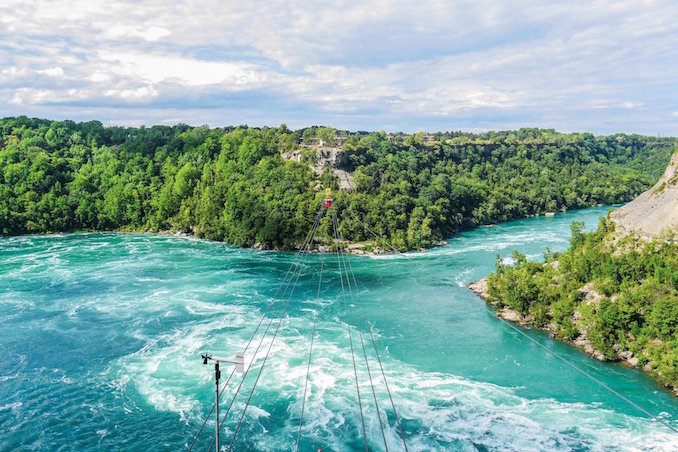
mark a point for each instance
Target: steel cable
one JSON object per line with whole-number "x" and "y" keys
{"x": 350, "y": 336}
{"x": 362, "y": 342}
{"x": 551, "y": 352}
{"x": 310, "y": 351}
{"x": 261, "y": 369}
{"x": 294, "y": 265}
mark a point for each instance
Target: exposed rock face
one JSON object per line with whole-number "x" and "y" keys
{"x": 327, "y": 156}
{"x": 480, "y": 288}
{"x": 655, "y": 210}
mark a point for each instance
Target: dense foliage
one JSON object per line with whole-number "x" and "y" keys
{"x": 621, "y": 294}
{"x": 232, "y": 184}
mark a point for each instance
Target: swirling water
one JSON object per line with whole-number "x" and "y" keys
{"x": 100, "y": 337}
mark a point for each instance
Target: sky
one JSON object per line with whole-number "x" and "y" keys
{"x": 598, "y": 66}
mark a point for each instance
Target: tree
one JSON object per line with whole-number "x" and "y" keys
{"x": 327, "y": 135}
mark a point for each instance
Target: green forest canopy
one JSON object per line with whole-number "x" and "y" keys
{"x": 638, "y": 284}
{"x": 231, "y": 184}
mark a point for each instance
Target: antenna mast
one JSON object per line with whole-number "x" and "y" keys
{"x": 239, "y": 362}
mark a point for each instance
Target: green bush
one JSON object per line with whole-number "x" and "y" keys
{"x": 636, "y": 307}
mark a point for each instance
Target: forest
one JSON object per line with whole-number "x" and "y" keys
{"x": 232, "y": 184}
{"x": 634, "y": 313}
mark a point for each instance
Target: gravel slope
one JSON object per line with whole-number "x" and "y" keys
{"x": 656, "y": 209}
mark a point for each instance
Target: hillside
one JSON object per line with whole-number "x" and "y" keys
{"x": 261, "y": 186}
{"x": 613, "y": 293}
{"x": 656, "y": 209}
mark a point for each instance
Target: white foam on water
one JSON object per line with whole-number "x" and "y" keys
{"x": 149, "y": 279}
{"x": 11, "y": 406}
{"x": 168, "y": 372}
{"x": 256, "y": 413}
{"x": 490, "y": 245}
{"x": 438, "y": 410}
{"x": 449, "y": 411}
{"x": 198, "y": 307}
{"x": 462, "y": 277}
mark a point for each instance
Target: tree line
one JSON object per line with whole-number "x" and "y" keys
{"x": 232, "y": 184}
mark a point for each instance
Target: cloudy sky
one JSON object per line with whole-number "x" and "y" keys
{"x": 600, "y": 66}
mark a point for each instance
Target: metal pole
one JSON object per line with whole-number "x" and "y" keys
{"x": 217, "y": 375}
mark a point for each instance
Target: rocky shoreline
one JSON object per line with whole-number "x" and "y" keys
{"x": 625, "y": 358}
{"x": 652, "y": 215}
{"x": 351, "y": 248}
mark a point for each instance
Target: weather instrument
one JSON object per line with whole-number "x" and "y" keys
{"x": 239, "y": 362}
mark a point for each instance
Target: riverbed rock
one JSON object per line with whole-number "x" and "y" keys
{"x": 479, "y": 288}
{"x": 511, "y": 316}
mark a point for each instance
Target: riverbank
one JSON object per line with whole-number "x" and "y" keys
{"x": 613, "y": 293}
{"x": 157, "y": 302}
{"x": 363, "y": 248}
{"x": 581, "y": 342}
{"x": 354, "y": 248}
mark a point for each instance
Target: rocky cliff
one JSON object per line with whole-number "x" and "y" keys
{"x": 655, "y": 210}
{"x": 617, "y": 296}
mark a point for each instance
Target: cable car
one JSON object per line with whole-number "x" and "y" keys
{"x": 328, "y": 198}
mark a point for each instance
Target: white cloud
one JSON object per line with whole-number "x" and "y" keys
{"x": 154, "y": 68}
{"x": 143, "y": 92}
{"x": 596, "y": 65}
{"x": 118, "y": 31}
{"x": 52, "y": 72}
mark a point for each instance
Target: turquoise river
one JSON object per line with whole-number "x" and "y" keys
{"x": 101, "y": 335}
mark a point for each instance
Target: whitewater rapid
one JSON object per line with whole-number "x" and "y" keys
{"x": 102, "y": 336}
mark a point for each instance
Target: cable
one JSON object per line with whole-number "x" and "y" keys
{"x": 275, "y": 314}
{"x": 362, "y": 342}
{"x": 296, "y": 265}
{"x": 293, "y": 264}
{"x": 350, "y": 338}
{"x": 211, "y": 411}
{"x": 261, "y": 369}
{"x": 310, "y": 351}
{"x": 583, "y": 372}
{"x": 376, "y": 352}
{"x": 246, "y": 347}
{"x": 633, "y": 404}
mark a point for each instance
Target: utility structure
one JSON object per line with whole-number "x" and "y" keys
{"x": 276, "y": 312}
{"x": 239, "y": 362}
